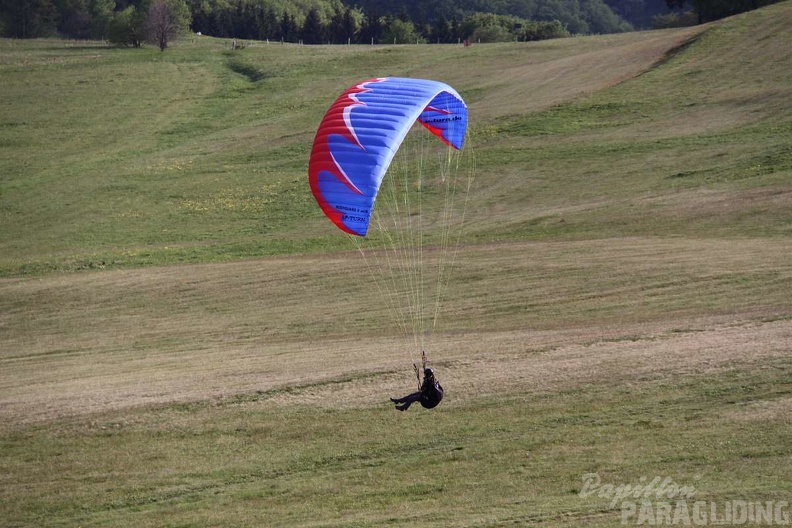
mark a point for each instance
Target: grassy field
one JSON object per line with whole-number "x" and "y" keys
{"x": 184, "y": 340}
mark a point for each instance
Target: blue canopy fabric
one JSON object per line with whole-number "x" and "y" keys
{"x": 362, "y": 131}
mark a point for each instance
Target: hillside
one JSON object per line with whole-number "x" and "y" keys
{"x": 188, "y": 151}
{"x": 186, "y": 341}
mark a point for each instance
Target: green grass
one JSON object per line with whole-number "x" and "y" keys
{"x": 503, "y": 459}
{"x": 135, "y": 157}
{"x": 186, "y": 341}
{"x": 149, "y": 150}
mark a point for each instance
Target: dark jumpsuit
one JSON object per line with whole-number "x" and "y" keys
{"x": 430, "y": 395}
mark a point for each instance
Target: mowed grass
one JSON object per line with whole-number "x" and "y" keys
{"x": 185, "y": 341}
{"x": 178, "y": 157}
{"x": 501, "y": 459}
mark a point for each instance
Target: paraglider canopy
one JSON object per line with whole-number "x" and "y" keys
{"x": 361, "y": 133}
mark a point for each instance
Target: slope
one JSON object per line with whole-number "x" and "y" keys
{"x": 621, "y": 307}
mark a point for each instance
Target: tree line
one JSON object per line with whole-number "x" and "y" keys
{"x": 345, "y": 25}
{"x": 646, "y": 14}
{"x": 709, "y": 10}
{"x": 133, "y": 22}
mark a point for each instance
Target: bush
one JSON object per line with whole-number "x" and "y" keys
{"x": 127, "y": 28}
{"x": 400, "y": 32}
{"x": 673, "y": 20}
{"x": 492, "y": 33}
{"x": 487, "y": 27}
{"x": 543, "y": 31}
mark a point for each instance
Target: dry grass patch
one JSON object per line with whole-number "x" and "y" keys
{"x": 487, "y": 365}
{"x": 522, "y": 79}
{"x": 82, "y": 343}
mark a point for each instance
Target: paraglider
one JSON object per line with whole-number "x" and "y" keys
{"x": 361, "y": 133}
{"x": 353, "y": 149}
{"x": 430, "y": 392}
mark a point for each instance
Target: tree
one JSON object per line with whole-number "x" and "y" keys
{"x": 351, "y": 24}
{"x": 398, "y": 31}
{"x": 101, "y": 12}
{"x": 245, "y": 21}
{"x": 371, "y": 29}
{"x": 74, "y": 19}
{"x": 28, "y": 18}
{"x": 542, "y": 31}
{"x": 342, "y": 27}
{"x": 639, "y": 13}
{"x": 268, "y": 24}
{"x": 708, "y": 10}
{"x": 288, "y": 27}
{"x": 311, "y": 32}
{"x": 602, "y": 19}
{"x": 486, "y": 27}
{"x": 456, "y": 32}
{"x": 159, "y": 25}
{"x": 270, "y": 28}
{"x": 441, "y": 30}
{"x": 84, "y": 19}
{"x": 166, "y": 19}
{"x": 128, "y": 27}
